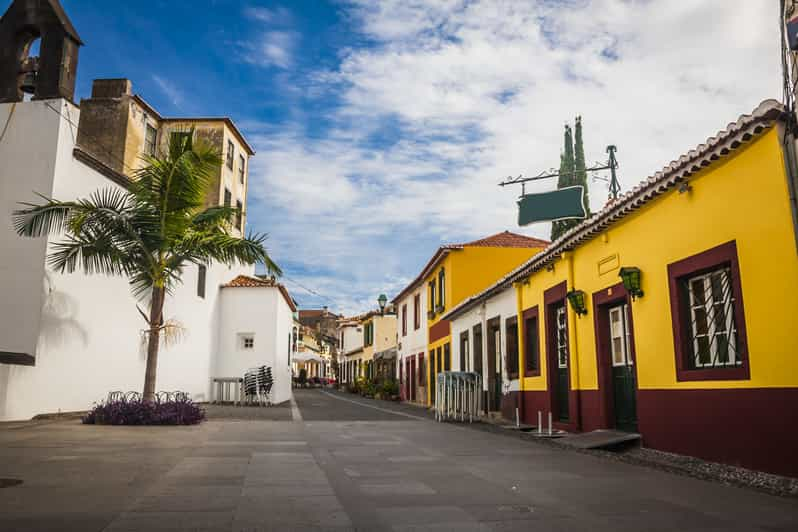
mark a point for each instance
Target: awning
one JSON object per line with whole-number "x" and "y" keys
{"x": 306, "y": 356}
{"x": 386, "y": 355}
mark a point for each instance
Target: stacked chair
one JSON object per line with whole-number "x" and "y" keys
{"x": 258, "y": 384}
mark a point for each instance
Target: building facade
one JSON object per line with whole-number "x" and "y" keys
{"x": 687, "y": 347}
{"x": 455, "y": 272}
{"x": 412, "y": 334}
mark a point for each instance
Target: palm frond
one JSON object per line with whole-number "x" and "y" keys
{"x": 49, "y": 218}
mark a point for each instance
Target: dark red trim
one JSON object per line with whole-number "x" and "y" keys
{"x": 602, "y": 300}
{"x": 531, "y": 313}
{"x": 755, "y": 428}
{"x": 511, "y": 322}
{"x": 724, "y": 254}
{"x": 439, "y": 330}
{"x": 553, "y": 297}
{"x": 555, "y": 293}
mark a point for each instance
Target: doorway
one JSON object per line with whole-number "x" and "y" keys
{"x": 616, "y": 364}
{"x": 494, "y": 364}
{"x": 559, "y": 359}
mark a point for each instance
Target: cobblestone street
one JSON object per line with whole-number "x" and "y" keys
{"x": 347, "y": 464}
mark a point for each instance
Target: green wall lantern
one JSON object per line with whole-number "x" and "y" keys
{"x": 577, "y": 300}
{"x": 382, "y": 300}
{"x": 630, "y": 276}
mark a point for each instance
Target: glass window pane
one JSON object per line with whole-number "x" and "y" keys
{"x": 697, "y": 291}
{"x": 703, "y": 356}
{"x": 700, "y": 320}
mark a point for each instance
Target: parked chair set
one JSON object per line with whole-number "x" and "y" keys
{"x": 258, "y": 384}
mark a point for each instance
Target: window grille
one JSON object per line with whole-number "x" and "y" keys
{"x": 713, "y": 331}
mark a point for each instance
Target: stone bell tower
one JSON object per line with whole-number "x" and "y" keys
{"x": 53, "y": 73}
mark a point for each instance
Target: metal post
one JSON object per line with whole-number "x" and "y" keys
{"x": 549, "y": 423}
{"x": 540, "y": 422}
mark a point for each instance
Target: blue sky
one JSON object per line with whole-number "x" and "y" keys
{"x": 383, "y": 126}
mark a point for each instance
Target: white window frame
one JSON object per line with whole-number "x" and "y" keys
{"x": 562, "y": 336}
{"x": 246, "y": 341}
{"x": 621, "y": 312}
{"x": 708, "y": 306}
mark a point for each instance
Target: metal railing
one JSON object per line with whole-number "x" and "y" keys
{"x": 458, "y": 396}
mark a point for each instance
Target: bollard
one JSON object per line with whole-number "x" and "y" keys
{"x": 549, "y": 423}
{"x": 517, "y": 421}
{"x": 540, "y": 422}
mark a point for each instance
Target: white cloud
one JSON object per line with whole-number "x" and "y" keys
{"x": 174, "y": 94}
{"x": 458, "y": 95}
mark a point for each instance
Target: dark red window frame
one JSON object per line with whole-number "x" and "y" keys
{"x": 722, "y": 255}
{"x": 511, "y": 346}
{"x": 417, "y": 311}
{"x": 531, "y": 349}
{"x": 404, "y": 319}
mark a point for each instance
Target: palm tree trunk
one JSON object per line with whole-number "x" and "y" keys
{"x": 156, "y": 313}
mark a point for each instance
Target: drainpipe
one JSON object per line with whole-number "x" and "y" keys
{"x": 791, "y": 167}
{"x": 573, "y": 343}
{"x": 521, "y": 349}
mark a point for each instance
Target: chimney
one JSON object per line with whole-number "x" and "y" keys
{"x": 102, "y": 130}
{"x": 111, "y": 88}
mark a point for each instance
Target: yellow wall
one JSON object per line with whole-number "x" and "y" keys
{"x": 468, "y": 271}
{"x": 742, "y": 198}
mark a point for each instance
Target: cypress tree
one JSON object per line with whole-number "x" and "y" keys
{"x": 580, "y": 177}
{"x": 566, "y": 179}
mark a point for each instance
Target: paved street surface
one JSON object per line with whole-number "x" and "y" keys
{"x": 346, "y": 466}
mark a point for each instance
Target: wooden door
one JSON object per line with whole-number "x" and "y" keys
{"x": 624, "y": 385}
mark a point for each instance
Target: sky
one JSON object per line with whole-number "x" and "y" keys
{"x": 382, "y": 127}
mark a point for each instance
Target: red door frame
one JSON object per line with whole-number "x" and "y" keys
{"x": 602, "y": 301}
{"x": 555, "y": 296}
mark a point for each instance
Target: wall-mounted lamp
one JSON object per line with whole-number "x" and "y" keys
{"x": 630, "y": 275}
{"x": 577, "y": 300}
{"x": 685, "y": 187}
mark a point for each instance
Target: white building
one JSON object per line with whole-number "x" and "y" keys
{"x": 255, "y": 321}
{"x": 411, "y": 307}
{"x": 67, "y": 340}
{"x": 350, "y": 339}
{"x": 481, "y": 330}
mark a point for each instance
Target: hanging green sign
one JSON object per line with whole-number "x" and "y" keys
{"x": 563, "y": 204}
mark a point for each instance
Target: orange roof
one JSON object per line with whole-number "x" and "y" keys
{"x": 508, "y": 240}
{"x": 245, "y": 281}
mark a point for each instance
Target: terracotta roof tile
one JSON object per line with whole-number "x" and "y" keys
{"x": 245, "y": 281}
{"x": 507, "y": 239}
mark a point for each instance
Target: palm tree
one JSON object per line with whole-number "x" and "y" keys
{"x": 148, "y": 233}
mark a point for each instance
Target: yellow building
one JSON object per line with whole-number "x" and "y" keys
{"x": 669, "y": 312}
{"x": 455, "y": 272}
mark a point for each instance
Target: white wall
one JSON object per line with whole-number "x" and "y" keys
{"x": 86, "y": 332}
{"x": 27, "y": 165}
{"x": 415, "y": 341}
{"x": 263, "y": 312}
{"x": 353, "y": 337}
{"x": 504, "y": 305}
